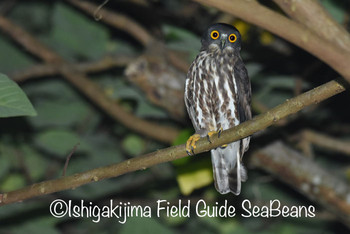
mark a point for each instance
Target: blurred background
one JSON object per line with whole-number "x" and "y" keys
{"x": 137, "y": 53}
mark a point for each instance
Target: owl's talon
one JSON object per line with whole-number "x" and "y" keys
{"x": 209, "y": 135}
{"x": 223, "y": 146}
{"x": 191, "y": 144}
{"x": 220, "y": 131}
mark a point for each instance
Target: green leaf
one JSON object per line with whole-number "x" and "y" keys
{"x": 44, "y": 224}
{"x": 32, "y": 16}
{"x": 144, "y": 225}
{"x": 146, "y": 109}
{"x": 56, "y": 113}
{"x": 133, "y": 145}
{"x": 59, "y": 142}
{"x": 181, "y": 39}
{"x": 34, "y": 162}
{"x": 183, "y": 136}
{"x": 74, "y": 35}
{"x": 58, "y": 105}
{"x": 4, "y": 165}
{"x": 335, "y": 9}
{"x": 12, "y": 182}
{"x": 119, "y": 89}
{"x": 253, "y": 69}
{"x": 12, "y": 58}
{"x": 13, "y": 101}
{"x": 182, "y": 139}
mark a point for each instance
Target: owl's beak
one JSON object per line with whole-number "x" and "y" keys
{"x": 223, "y": 42}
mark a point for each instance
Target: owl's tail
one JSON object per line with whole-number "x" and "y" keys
{"x": 228, "y": 169}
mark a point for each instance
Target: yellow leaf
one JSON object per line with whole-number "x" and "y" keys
{"x": 109, "y": 91}
{"x": 243, "y": 28}
{"x": 190, "y": 181}
{"x": 266, "y": 38}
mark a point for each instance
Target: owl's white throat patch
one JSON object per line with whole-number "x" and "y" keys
{"x": 215, "y": 49}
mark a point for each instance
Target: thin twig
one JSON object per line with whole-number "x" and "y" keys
{"x": 245, "y": 129}
{"x": 42, "y": 70}
{"x": 68, "y": 159}
{"x": 97, "y": 14}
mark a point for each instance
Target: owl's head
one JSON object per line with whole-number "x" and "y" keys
{"x": 221, "y": 36}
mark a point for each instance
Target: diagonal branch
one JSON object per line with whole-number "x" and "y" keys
{"x": 255, "y": 13}
{"x": 245, "y": 129}
{"x": 304, "y": 175}
{"x": 311, "y": 14}
{"x": 90, "y": 89}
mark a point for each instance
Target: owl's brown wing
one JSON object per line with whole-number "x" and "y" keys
{"x": 189, "y": 102}
{"x": 243, "y": 90}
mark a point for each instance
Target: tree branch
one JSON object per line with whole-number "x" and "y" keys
{"x": 311, "y": 14}
{"x": 324, "y": 141}
{"x": 42, "y": 70}
{"x": 304, "y": 175}
{"x": 87, "y": 87}
{"x": 255, "y": 13}
{"x": 245, "y": 129}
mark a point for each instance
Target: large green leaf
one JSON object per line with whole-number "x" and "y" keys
{"x": 13, "y": 101}
{"x": 59, "y": 142}
{"x": 182, "y": 40}
{"x": 119, "y": 89}
{"x": 12, "y": 58}
{"x": 75, "y": 35}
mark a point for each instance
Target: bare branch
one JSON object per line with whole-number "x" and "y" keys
{"x": 305, "y": 176}
{"x": 326, "y": 142}
{"x": 245, "y": 129}
{"x": 42, "y": 70}
{"x": 311, "y": 14}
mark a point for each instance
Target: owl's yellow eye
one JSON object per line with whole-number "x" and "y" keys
{"x": 214, "y": 34}
{"x": 232, "y": 38}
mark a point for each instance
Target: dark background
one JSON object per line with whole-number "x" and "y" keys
{"x": 34, "y": 149}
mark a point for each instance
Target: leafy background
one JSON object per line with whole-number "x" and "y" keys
{"x": 34, "y": 149}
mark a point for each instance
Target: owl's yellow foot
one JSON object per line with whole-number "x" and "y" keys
{"x": 219, "y": 132}
{"x": 211, "y": 133}
{"x": 191, "y": 144}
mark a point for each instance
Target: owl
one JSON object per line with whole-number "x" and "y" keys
{"x": 217, "y": 97}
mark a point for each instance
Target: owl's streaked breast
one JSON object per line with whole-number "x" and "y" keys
{"x": 214, "y": 89}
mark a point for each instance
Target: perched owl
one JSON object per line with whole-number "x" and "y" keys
{"x": 217, "y": 97}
